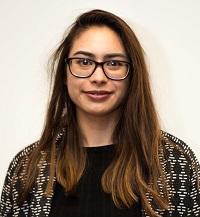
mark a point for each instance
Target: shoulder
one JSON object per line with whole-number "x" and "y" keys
{"x": 11, "y": 183}
{"x": 176, "y": 149}
{"x": 182, "y": 171}
{"x": 180, "y": 161}
{"x": 21, "y": 157}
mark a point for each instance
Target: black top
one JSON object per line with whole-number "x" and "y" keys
{"x": 89, "y": 199}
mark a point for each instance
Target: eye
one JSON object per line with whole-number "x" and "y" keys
{"x": 114, "y": 63}
{"x": 84, "y": 62}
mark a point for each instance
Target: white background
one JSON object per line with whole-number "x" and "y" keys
{"x": 169, "y": 31}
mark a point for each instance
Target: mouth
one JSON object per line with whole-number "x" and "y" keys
{"x": 98, "y": 95}
{"x": 98, "y": 92}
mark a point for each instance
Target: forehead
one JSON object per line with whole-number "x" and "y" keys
{"x": 98, "y": 40}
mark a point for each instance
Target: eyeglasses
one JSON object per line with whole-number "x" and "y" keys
{"x": 84, "y": 68}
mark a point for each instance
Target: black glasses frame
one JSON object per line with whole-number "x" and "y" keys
{"x": 67, "y": 61}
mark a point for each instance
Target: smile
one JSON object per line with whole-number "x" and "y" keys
{"x": 98, "y": 95}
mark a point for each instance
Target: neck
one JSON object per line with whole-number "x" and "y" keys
{"x": 97, "y": 130}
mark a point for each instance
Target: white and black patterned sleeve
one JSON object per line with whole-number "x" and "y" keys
{"x": 194, "y": 194}
{"x": 184, "y": 172}
{"x": 6, "y": 203}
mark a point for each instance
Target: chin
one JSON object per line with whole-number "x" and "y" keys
{"x": 98, "y": 113}
{"x": 101, "y": 113}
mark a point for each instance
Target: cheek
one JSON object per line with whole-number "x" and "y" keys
{"x": 70, "y": 86}
{"x": 122, "y": 88}
{"x": 73, "y": 87}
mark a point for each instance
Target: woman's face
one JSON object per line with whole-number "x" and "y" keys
{"x": 97, "y": 95}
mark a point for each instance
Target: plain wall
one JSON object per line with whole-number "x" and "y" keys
{"x": 169, "y": 32}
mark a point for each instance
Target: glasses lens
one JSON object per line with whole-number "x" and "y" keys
{"x": 81, "y": 67}
{"x": 116, "y": 69}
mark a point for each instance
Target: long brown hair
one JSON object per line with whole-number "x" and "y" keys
{"x": 135, "y": 168}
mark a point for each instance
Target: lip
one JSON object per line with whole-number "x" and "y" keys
{"x": 98, "y": 95}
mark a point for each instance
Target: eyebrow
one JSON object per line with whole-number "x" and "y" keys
{"x": 110, "y": 55}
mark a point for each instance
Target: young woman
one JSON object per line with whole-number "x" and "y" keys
{"x": 102, "y": 152}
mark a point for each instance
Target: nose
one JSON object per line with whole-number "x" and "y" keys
{"x": 98, "y": 76}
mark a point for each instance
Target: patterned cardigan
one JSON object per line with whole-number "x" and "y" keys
{"x": 180, "y": 166}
